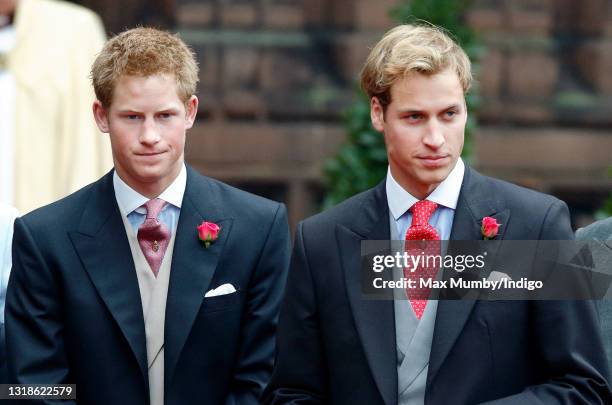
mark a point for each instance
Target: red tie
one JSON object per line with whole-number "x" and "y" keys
{"x": 421, "y": 230}
{"x": 153, "y": 235}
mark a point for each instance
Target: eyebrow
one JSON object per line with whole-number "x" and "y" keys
{"x": 130, "y": 111}
{"x": 417, "y": 111}
{"x": 169, "y": 109}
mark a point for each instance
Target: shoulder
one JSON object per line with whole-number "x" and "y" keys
{"x": 347, "y": 212}
{"x": 233, "y": 201}
{"x": 600, "y": 230}
{"x": 63, "y": 214}
{"x": 512, "y": 191}
{"x": 512, "y": 196}
{"x": 530, "y": 214}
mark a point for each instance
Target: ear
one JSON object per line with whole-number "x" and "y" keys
{"x": 377, "y": 114}
{"x": 191, "y": 109}
{"x": 101, "y": 117}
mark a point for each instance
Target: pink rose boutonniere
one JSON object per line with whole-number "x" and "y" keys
{"x": 490, "y": 227}
{"x": 208, "y": 232}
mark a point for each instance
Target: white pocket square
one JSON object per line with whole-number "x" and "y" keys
{"x": 221, "y": 290}
{"x": 497, "y": 276}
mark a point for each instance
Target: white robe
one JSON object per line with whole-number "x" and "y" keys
{"x": 57, "y": 147}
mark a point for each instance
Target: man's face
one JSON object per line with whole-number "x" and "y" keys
{"x": 147, "y": 123}
{"x": 424, "y": 129}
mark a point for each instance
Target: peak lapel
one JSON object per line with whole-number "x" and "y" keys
{"x": 374, "y": 319}
{"x": 474, "y": 203}
{"x": 193, "y": 265}
{"x": 102, "y": 245}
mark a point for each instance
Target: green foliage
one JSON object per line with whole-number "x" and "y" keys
{"x": 606, "y": 210}
{"x": 362, "y": 161}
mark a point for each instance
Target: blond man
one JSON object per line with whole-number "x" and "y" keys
{"x": 335, "y": 345}
{"x": 154, "y": 285}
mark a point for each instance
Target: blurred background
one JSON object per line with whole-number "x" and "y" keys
{"x": 278, "y": 77}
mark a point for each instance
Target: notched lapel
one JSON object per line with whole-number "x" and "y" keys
{"x": 193, "y": 267}
{"x": 101, "y": 244}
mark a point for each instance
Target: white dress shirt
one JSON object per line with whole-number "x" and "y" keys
{"x": 131, "y": 202}
{"x": 445, "y": 195}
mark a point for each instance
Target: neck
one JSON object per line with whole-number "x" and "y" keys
{"x": 420, "y": 193}
{"x": 151, "y": 189}
{"x": 151, "y": 192}
{"x": 418, "y": 190}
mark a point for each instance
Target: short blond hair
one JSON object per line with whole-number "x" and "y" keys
{"x": 144, "y": 52}
{"x": 412, "y": 48}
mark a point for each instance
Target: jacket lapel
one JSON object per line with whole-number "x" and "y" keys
{"x": 475, "y": 202}
{"x": 193, "y": 265}
{"x": 374, "y": 319}
{"x": 102, "y": 245}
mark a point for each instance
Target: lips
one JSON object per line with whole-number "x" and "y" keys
{"x": 433, "y": 161}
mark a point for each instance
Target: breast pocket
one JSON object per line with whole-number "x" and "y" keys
{"x": 223, "y": 302}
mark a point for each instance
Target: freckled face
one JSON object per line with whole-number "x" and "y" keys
{"x": 147, "y": 124}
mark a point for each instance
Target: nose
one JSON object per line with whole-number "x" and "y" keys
{"x": 434, "y": 136}
{"x": 149, "y": 133}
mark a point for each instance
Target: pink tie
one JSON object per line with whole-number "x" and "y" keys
{"x": 153, "y": 235}
{"x": 421, "y": 230}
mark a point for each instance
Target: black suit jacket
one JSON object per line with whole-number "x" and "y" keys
{"x": 336, "y": 347}
{"x": 74, "y": 313}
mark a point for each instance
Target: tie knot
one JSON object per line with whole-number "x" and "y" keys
{"x": 154, "y": 207}
{"x": 422, "y": 211}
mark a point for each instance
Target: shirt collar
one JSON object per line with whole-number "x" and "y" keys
{"x": 129, "y": 199}
{"x": 446, "y": 194}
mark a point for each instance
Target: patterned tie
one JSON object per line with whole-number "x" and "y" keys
{"x": 418, "y": 243}
{"x": 153, "y": 235}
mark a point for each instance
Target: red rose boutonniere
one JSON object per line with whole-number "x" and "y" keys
{"x": 208, "y": 232}
{"x": 489, "y": 228}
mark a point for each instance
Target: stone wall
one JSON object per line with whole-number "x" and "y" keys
{"x": 277, "y": 74}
